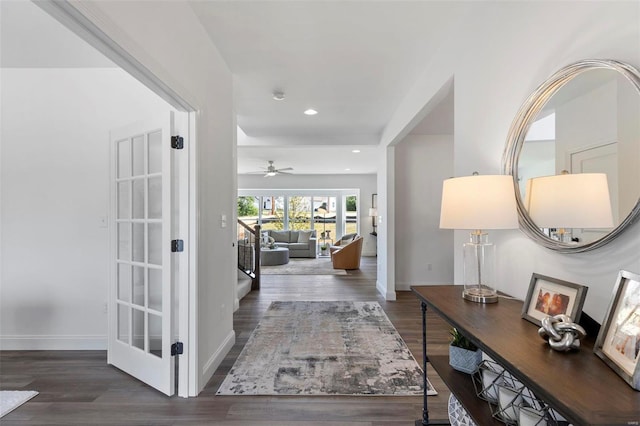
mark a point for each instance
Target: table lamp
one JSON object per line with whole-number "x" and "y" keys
{"x": 373, "y": 214}
{"x": 479, "y": 203}
{"x": 569, "y": 201}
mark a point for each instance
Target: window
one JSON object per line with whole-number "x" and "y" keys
{"x": 334, "y": 215}
{"x": 299, "y": 212}
{"x": 272, "y": 214}
{"x": 351, "y": 216}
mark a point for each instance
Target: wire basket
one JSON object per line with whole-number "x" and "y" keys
{"x": 510, "y": 401}
{"x": 486, "y": 379}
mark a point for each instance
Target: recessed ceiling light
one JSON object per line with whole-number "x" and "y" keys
{"x": 278, "y": 95}
{"x": 311, "y": 111}
{"x": 347, "y": 170}
{"x": 355, "y": 151}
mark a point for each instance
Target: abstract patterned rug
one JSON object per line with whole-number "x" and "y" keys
{"x": 325, "y": 348}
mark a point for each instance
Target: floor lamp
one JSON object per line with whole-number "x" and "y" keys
{"x": 479, "y": 203}
{"x": 323, "y": 210}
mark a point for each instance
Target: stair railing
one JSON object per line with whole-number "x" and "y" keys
{"x": 249, "y": 252}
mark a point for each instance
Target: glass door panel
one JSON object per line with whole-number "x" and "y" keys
{"x": 299, "y": 213}
{"x": 324, "y": 217}
{"x": 123, "y": 324}
{"x": 142, "y": 290}
{"x": 272, "y": 214}
{"x": 351, "y": 216}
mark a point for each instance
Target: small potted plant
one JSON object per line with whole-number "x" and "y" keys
{"x": 324, "y": 248}
{"x": 463, "y": 354}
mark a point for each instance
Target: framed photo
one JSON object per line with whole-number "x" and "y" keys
{"x": 618, "y": 343}
{"x": 549, "y": 296}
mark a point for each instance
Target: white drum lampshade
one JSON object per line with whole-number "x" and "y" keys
{"x": 479, "y": 203}
{"x": 569, "y": 201}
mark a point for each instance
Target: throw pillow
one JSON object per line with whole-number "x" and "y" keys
{"x": 280, "y": 236}
{"x": 346, "y": 239}
{"x": 304, "y": 236}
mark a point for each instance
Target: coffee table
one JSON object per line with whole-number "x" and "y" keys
{"x": 274, "y": 256}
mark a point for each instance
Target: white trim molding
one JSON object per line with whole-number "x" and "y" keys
{"x": 216, "y": 359}
{"x": 388, "y": 295}
{"x": 80, "y": 18}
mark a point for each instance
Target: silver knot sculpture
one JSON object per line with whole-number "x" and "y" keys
{"x": 561, "y": 333}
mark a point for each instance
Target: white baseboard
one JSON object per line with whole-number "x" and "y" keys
{"x": 406, "y": 286}
{"x": 388, "y": 295}
{"x": 215, "y": 360}
{"x": 244, "y": 288}
{"x": 52, "y": 343}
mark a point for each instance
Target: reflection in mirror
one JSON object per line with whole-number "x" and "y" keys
{"x": 563, "y": 205}
{"x": 585, "y": 119}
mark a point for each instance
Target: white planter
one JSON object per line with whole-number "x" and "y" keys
{"x": 464, "y": 360}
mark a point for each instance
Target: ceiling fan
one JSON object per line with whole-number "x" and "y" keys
{"x": 272, "y": 171}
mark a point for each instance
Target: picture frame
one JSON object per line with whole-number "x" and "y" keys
{"x": 618, "y": 342}
{"x": 549, "y": 296}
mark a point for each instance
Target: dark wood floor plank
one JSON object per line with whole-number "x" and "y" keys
{"x": 79, "y": 388}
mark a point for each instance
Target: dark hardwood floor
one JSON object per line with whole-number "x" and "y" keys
{"x": 79, "y": 388}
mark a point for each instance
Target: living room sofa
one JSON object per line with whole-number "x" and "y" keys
{"x": 300, "y": 243}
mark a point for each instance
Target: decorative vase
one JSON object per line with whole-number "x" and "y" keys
{"x": 464, "y": 360}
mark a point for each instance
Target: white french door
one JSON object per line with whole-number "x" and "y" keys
{"x": 141, "y": 328}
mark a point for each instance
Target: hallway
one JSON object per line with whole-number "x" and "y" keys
{"x": 78, "y": 387}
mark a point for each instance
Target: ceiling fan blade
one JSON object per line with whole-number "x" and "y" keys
{"x": 284, "y": 173}
{"x": 260, "y": 172}
{"x": 286, "y": 168}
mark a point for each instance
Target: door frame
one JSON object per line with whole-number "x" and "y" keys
{"x": 69, "y": 16}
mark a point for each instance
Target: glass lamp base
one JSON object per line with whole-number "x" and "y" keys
{"x": 482, "y": 294}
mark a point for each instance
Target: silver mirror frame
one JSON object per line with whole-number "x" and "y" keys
{"x": 515, "y": 141}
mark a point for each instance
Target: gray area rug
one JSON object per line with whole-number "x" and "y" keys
{"x": 10, "y": 400}
{"x": 301, "y": 266}
{"x": 325, "y": 348}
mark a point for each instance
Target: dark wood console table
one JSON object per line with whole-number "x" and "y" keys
{"x": 579, "y": 385}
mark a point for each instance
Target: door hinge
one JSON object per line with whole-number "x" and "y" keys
{"x": 177, "y": 348}
{"x": 177, "y": 246}
{"x": 177, "y": 142}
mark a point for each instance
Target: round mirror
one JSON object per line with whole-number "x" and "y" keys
{"x": 583, "y": 122}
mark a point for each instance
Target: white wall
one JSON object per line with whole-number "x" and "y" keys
{"x": 386, "y": 268}
{"x": 424, "y": 252}
{"x": 186, "y": 61}
{"x": 585, "y": 121}
{"x": 55, "y": 196}
{"x": 498, "y": 58}
{"x": 366, "y": 184}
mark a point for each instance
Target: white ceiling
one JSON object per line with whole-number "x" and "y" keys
{"x": 353, "y": 61}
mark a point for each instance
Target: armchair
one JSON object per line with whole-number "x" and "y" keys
{"x": 343, "y": 241}
{"x": 347, "y": 256}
